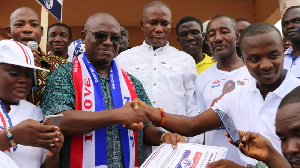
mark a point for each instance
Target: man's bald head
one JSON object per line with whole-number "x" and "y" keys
{"x": 102, "y": 38}
{"x": 16, "y": 12}
{"x": 99, "y": 19}
{"x": 25, "y": 25}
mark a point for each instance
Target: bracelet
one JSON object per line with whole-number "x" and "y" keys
{"x": 163, "y": 119}
{"x": 162, "y": 137}
{"x": 10, "y": 137}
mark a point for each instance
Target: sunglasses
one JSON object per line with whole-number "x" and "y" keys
{"x": 102, "y": 36}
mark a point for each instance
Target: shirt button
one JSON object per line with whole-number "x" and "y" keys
{"x": 154, "y": 84}
{"x": 154, "y": 54}
{"x": 154, "y": 102}
{"x": 154, "y": 68}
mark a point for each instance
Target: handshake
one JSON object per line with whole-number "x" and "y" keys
{"x": 137, "y": 114}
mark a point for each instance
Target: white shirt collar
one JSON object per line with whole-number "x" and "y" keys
{"x": 288, "y": 51}
{"x": 281, "y": 91}
{"x": 150, "y": 48}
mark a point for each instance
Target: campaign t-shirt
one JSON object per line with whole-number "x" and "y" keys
{"x": 211, "y": 86}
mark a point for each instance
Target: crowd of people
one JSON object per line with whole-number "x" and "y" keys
{"x": 118, "y": 103}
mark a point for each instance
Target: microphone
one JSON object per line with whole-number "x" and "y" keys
{"x": 33, "y": 44}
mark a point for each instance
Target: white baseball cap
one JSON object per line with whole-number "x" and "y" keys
{"x": 12, "y": 52}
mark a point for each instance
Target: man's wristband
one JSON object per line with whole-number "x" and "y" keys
{"x": 163, "y": 119}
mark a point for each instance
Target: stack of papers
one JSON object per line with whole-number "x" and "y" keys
{"x": 187, "y": 155}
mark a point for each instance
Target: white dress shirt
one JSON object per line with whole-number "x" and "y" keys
{"x": 167, "y": 74}
{"x": 250, "y": 112}
{"x": 291, "y": 63}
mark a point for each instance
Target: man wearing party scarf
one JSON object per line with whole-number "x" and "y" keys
{"x": 92, "y": 93}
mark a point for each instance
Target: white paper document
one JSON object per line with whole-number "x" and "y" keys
{"x": 187, "y": 155}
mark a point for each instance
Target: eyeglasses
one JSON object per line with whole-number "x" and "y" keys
{"x": 102, "y": 36}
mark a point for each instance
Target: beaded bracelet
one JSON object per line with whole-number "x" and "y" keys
{"x": 10, "y": 137}
{"x": 163, "y": 119}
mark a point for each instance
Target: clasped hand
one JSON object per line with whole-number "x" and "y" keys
{"x": 147, "y": 112}
{"x": 31, "y": 133}
{"x": 134, "y": 116}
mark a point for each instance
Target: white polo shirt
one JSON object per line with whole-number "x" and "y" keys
{"x": 291, "y": 63}
{"x": 250, "y": 112}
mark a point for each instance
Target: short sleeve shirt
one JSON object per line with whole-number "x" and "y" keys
{"x": 253, "y": 112}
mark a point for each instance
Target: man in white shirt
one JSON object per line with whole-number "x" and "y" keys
{"x": 253, "y": 108}
{"x": 290, "y": 23}
{"x": 227, "y": 74}
{"x": 167, "y": 74}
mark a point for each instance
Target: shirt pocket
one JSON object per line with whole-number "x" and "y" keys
{"x": 139, "y": 71}
{"x": 171, "y": 75}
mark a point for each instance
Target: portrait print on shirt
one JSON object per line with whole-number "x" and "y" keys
{"x": 224, "y": 86}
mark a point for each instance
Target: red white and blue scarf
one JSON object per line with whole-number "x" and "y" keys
{"x": 5, "y": 121}
{"x": 90, "y": 150}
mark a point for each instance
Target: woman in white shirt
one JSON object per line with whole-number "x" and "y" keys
{"x": 23, "y": 138}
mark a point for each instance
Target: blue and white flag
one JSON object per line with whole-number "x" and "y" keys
{"x": 54, "y": 7}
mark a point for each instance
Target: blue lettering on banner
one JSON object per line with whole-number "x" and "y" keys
{"x": 112, "y": 80}
{"x": 94, "y": 75}
{"x": 127, "y": 99}
{"x": 132, "y": 141}
{"x": 113, "y": 86}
